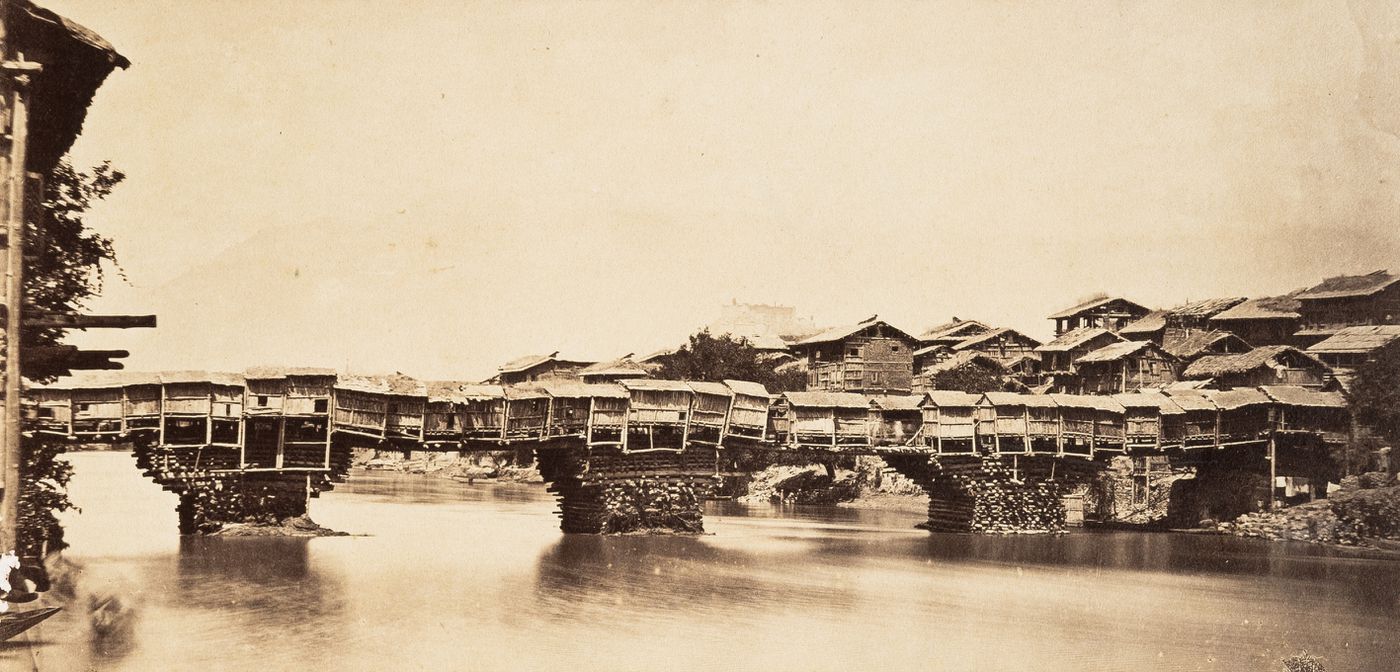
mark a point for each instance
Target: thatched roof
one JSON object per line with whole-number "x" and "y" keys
{"x": 826, "y": 399}
{"x": 1163, "y": 403}
{"x": 1092, "y": 304}
{"x": 707, "y": 387}
{"x": 951, "y": 398}
{"x": 1240, "y": 397}
{"x": 397, "y": 384}
{"x": 1212, "y": 366}
{"x": 1076, "y": 337}
{"x": 1197, "y": 343}
{"x": 1003, "y": 332}
{"x": 1294, "y": 395}
{"x": 1150, "y": 323}
{"x": 1358, "y": 339}
{"x": 656, "y": 385}
{"x": 275, "y": 372}
{"x": 954, "y": 331}
{"x": 570, "y": 389}
{"x": 1093, "y": 401}
{"x": 1349, "y": 285}
{"x": 1267, "y": 308}
{"x": 747, "y": 388}
{"x": 965, "y": 358}
{"x": 623, "y": 366}
{"x": 844, "y": 332}
{"x": 1116, "y": 351}
{"x": 897, "y": 402}
{"x": 531, "y": 361}
{"x": 1017, "y": 399}
{"x": 97, "y": 380}
{"x": 1191, "y": 400}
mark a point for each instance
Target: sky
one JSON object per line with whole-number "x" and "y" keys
{"x": 436, "y": 187}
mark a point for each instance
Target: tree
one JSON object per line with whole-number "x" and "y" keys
{"x": 715, "y": 358}
{"x": 62, "y": 269}
{"x": 1375, "y": 393}
{"x": 63, "y": 261}
{"x": 973, "y": 378}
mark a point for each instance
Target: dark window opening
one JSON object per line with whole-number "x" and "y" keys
{"x": 45, "y": 412}
{"x": 320, "y": 405}
{"x": 262, "y": 399}
{"x": 452, "y": 421}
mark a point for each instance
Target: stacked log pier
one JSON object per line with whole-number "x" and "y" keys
{"x": 611, "y": 492}
{"x": 997, "y": 495}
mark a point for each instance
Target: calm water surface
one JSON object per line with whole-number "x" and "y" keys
{"x": 478, "y": 577}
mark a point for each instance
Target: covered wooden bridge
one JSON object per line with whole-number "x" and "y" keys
{"x": 288, "y": 433}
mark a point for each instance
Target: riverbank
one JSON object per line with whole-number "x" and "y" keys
{"x": 299, "y": 526}
{"x": 502, "y": 466}
{"x": 871, "y": 484}
{"x": 1365, "y": 512}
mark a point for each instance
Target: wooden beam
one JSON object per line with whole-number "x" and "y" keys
{"x": 74, "y": 321}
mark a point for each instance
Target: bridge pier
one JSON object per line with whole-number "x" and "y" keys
{"x": 607, "y": 491}
{"x": 208, "y": 504}
{"x": 994, "y": 495}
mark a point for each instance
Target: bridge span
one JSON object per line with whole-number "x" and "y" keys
{"x": 646, "y": 453}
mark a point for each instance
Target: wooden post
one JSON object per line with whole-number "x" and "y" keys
{"x": 17, "y": 95}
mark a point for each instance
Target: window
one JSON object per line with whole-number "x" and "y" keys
{"x": 84, "y": 408}
{"x": 853, "y": 352}
{"x": 45, "y": 412}
{"x": 452, "y": 421}
{"x": 262, "y": 399}
{"x": 894, "y": 348}
{"x": 320, "y": 405}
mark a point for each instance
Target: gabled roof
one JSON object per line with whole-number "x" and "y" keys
{"x": 1076, "y": 337}
{"x": 445, "y": 390}
{"x": 950, "y": 330}
{"x": 1092, "y": 304}
{"x": 1358, "y": 339}
{"x": 1206, "y": 307}
{"x": 1093, "y": 401}
{"x": 1294, "y": 395}
{"x": 623, "y": 366}
{"x": 897, "y": 402}
{"x": 952, "y": 398}
{"x": 1150, "y": 323}
{"x": 747, "y": 388}
{"x": 570, "y": 389}
{"x": 1192, "y": 400}
{"x": 1115, "y": 351}
{"x": 708, "y": 387}
{"x": 826, "y": 399}
{"x": 1157, "y": 400}
{"x": 1238, "y": 398}
{"x": 1197, "y": 343}
{"x": 531, "y": 361}
{"x": 1017, "y": 399}
{"x": 1349, "y": 285}
{"x": 477, "y": 392}
{"x": 964, "y": 358}
{"x": 774, "y": 343}
{"x": 928, "y": 350}
{"x": 995, "y": 333}
{"x": 1212, "y": 366}
{"x": 1267, "y": 308}
{"x": 654, "y": 384}
{"x": 846, "y": 331}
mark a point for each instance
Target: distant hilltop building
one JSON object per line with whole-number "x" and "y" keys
{"x": 756, "y": 320}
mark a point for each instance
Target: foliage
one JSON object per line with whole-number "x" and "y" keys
{"x": 1368, "y": 513}
{"x": 1303, "y": 662}
{"x": 43, "y": 497}
{"x": 1375, "y": 393}
{"x": 973, "y": 378}
{"x": 715, "y": 358}
{"x": 63, "y": 257}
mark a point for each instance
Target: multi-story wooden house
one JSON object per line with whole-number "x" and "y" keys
{"x": 1351, "y": 300}
{"x": 952, "y": 333}
{"x": 1004, "y": 345}
{"x": 1127, "y": 366}
{"x": 537, "y": 367}
{"x": 869, "y": 356}
{"x": 1106, "y": 312}
{"x": 1267, "y": 365}
{"x": 1267, "y": 321}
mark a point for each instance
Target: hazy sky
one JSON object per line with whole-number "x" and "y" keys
{"x": 435, "y": 187}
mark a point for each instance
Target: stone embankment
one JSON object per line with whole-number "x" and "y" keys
{"x": 497, "y": 466}
{"x": 870, "y": 484}
{"x": 1364, "y": 512}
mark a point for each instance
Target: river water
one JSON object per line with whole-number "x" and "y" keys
{"x": 477, "y": 577}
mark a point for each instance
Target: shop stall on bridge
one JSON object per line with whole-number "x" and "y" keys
{"x": 1108, "y": 425}
{"x": 99, "y": 405}
{"x": 442, "y": 414}
{"x": 141, "y": 403}
{"x": 1201, "y": 424}
{"x": 895, "y": 419}
{"x": 1305, "y": 411}
{"x": 830, "y": 420}
{"x": 585, "y": 411}
{"x": 1152, "y": 421}
{"x": 288, "y": 417}
{"x": 201, "y": 420}
{"x": 483, "y": 412}
{"x": 97, "y": 411}
{"x": 527, "y": 412}
{"x": 1001, "y": 423}
{"x": 1077, "y": 415}
{"x": 749, "y": 415}
{"x": 658, "y": 414}
{"x": 54, "y": 410}
{"x": 709, "y": 412}
{"x": 949, "y": 422}
{"x": 360, "y": 403}
{"x": 1245, "y": 415}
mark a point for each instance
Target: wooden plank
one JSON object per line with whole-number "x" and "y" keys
{"x": 76, "y": 321}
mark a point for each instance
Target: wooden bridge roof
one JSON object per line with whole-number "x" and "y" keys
{"x": 1157, "y": 400}
{"x": 1294, "y": 395}
{"x": 568, "y": 389}
{"x": 826, "y": 399}
{"x": 951, "y": 398}
{"x": 747, "y": 388}
{"x": 1017, "y": 399}
{"x": 1240, "y": 397}
{"x": 897, "y": 402}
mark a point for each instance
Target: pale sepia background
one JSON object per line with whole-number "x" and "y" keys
{"x": 436, "y": 187}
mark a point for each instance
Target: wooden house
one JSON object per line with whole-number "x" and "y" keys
{"x": 709, "y": 412}
{"x": 1188, "y": 346}
{"x": 1244, "y": 415}
{"x": 1152, "y": 421}
{"x": 1077, "y": 414}
{"x": 927, "y": 379}
{"x": 823, "y": 420}
{"x": 1003, "y": 345}
{"x": 949, "y": 425}
{"x": 1108, "y": 313}
{"x": 1057, "y": 357}
{"x": 1201, "y": 418}
{"x": 749, "y": 417}
{"x": 444, "y": 413}
{"x": 1350, "y": 347}
{"x": 658, "y": 414}
{"x": 1149, "y": 327}
{"x": 54, "y": 409}
{"x": 405, "y": 405}
{"x": 927, "y": 357}
{"x": 1304, "y": 411}
{"x": 97, "y": 405}
{"x": 896, "y": 419}
{"x": 871, "y": 357}
{"x": 527, "y": 413}
{"x": 594, "y": 412}
{"x": 361, "y": 403}
{"x": 532, "y": 368}
{"x": 1265, "y": 321}
{"x": 952, "y": 333}
{"x": 1351, "y": 300}
{"x": 612, "y": 371}
{"x": 141, "y": 403}
{"x": 1018, "y": 424}
{"x": 1124, "y": 367}
{"x": 203, "y": 409}
{"x": 483, "y": 409}
{"x": 1267, "y": 365}
{"x": 288, "y": 417}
